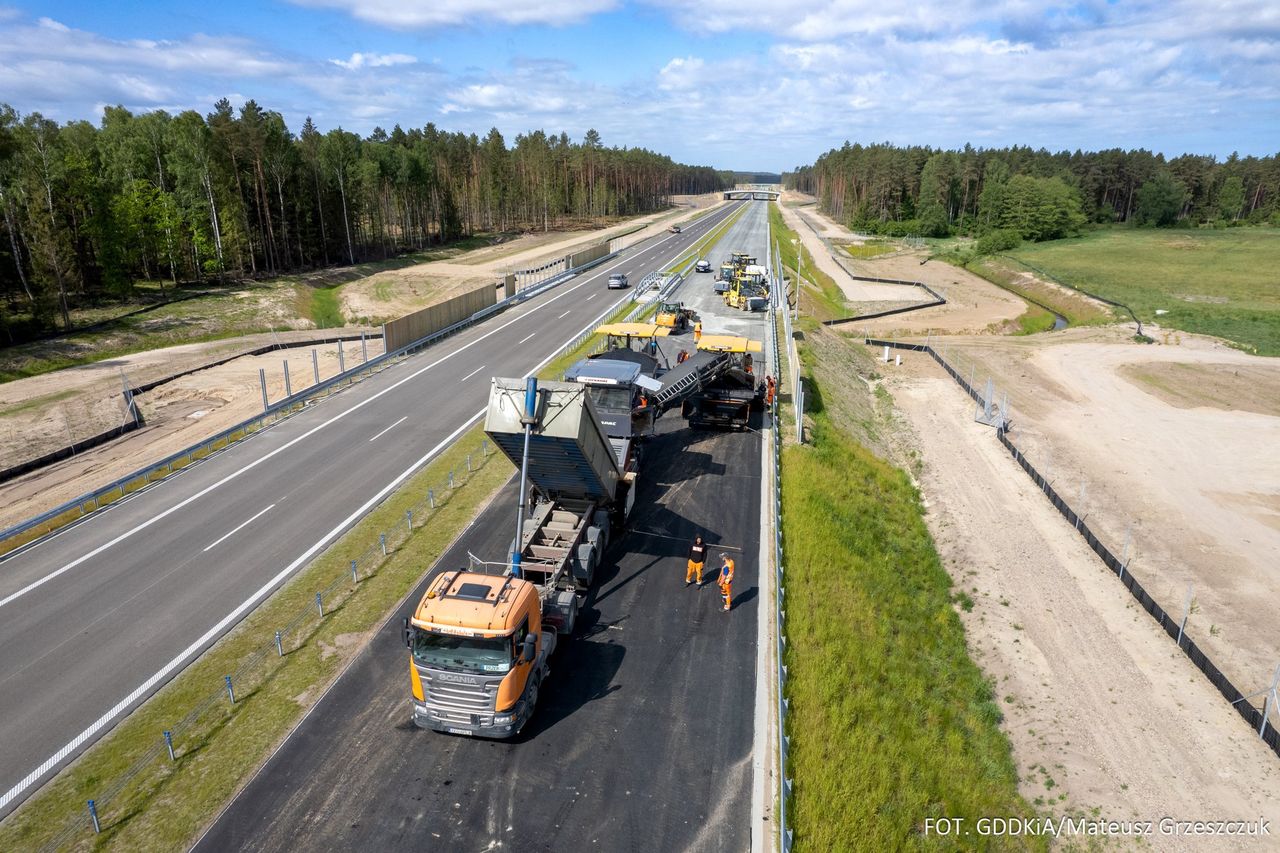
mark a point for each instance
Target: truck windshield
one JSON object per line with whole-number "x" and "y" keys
{"x": 613, "y": 399}
{"x": 474, "y": 653}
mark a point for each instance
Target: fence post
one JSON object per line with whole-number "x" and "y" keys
{"x": 355, "y": 572}
{"x": 408, "y": 517}
{"x": 342, "y": 359}
{"x": 168, "y": 742}
{"x": 451, "y": 479}
{"x": 320, "y": 604}
{"x": 431, "y": 498}
{"x": 93, "y": 815}
{"x": 364, "y": 349}
{"x": 315, "y": 365}
{"x": 288, "y": 386}
{"x": 231, "y": 691}
{"x": 468, "y": 463}
{"x": 382, "y": 542}
{"x": 262, "y": 380}
{"x": 279, "y": 644}
{"x": 1186, "y": 611}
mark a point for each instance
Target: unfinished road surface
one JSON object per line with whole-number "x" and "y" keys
{"x": 643, "y": 736}
{"x": 95, "y": 619}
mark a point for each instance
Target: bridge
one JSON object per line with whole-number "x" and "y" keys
{"x": 752, "y": 194}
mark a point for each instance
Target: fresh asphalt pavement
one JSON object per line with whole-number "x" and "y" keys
{"x": 96, "y": 618}
{"x": 643, "y": 736}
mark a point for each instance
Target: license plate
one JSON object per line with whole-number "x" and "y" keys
{"x": 458, "y": 731}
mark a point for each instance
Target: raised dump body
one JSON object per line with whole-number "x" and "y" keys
{"x": 569, "y": 453}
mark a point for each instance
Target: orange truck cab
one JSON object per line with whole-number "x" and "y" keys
{"x": 478, "y": 654}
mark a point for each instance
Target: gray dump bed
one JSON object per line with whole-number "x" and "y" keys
{"x": 569, "y": 454}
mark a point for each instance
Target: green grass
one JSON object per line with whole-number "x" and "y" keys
{"x": 890, "y": 721}
{"x": 870, "y": 249}
{"x": 322, "y": 307}
{"x": 820, "y": 296}
{"x": 163, "y": 807}
{"x": 1221, "y": 283}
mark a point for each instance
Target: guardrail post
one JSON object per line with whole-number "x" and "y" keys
{"x": 262, "y": 380}
{"x": 168, "y": 743}
{"x": 288, "y": 386}
{"x": 231, "y": 691}
{"x": 320, "y": 604}
{"x": 93, "y": 815}
{"x": 342, "y": 359}
{"x": 382, "y": 542}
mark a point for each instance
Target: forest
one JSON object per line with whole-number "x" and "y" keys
{"x": 89, "y": 211}
{"x": 1033, "y": 194}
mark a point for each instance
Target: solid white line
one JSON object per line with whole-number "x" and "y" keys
{"x": 525, "y": 338}
{"x": 388, "y": 429}
{"x": 592, "y": 296}
{"x": 237, "y": 529}
{"x": 565, "y": 314}
{"x": 474, "y": 372}
{"x": 251, "y": 602}
{"x": 159, "y": 516}
{"x": 228, "y": 620}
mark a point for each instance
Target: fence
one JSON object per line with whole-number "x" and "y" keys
{"x": 411, "y": 327}
{"x": 783, "y": 298}
{"x": 259, "y": 665}
{"x": 1257, "y": 718}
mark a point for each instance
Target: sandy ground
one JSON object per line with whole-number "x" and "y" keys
{"x": 1096, "y": 696}
{"x": 1103, "y": 711}
{"x": 178, "y": 414}
{"x": 974, "y": 305}
{"x": 393, "y": 293}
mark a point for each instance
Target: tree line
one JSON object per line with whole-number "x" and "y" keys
{"x": 1033, "y": 194}
{"x": 89, "y": 210}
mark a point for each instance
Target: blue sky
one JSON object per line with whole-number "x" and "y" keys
{"x": 746, "y": 84}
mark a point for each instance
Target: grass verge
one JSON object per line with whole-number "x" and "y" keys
{"x": 322, "y": 306}
{"x": 164, "y": 805}
{"x": 820, "y": 297}
{"x": 890, "y": 720}
{"x": 1220, "y": 283}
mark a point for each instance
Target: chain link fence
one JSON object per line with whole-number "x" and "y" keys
{"x": 183, "y": 737}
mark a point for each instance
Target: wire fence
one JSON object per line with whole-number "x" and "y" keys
{"x": 1259, "y": 719}
{"x": 185, "y": 736}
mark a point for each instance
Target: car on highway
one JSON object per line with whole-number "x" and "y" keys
{"x": 674, "y": 229}
{"x": 702, "y": 265}
{"x": 617, "y": 281}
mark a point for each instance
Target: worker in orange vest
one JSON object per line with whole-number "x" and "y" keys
{"x": 697, "y": 556}
{"x": 726, "y": 579}
{"x": 770, "y": 387}
{"x": 697, "y": 331}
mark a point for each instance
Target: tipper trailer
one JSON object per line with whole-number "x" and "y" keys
{"x": 480, "y": 643}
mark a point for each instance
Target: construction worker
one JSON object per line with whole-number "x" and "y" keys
{"x": 769, "y": 389}
{"x": 697, "y": 331}
{"x": 681, "y": 356}
{"x": 697, "y": 555}
{"x": 726, "y": 579}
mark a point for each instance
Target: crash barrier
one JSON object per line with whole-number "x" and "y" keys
{"x": 1175, "y": 628}
{"x": 783, "y": 742}
{"x": 184, "y": 739}
{"x": 411, "y": 327}
{"x": 1070, "y": 286}
{"x": 938, "y": 299}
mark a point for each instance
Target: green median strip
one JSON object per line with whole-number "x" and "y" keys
{"x": 705, "y": 242}
{"x": 159, "y": 804}
{"x": 891, "y": 722}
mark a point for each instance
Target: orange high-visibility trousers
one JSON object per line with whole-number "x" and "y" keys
{"x": 694, "y": 569}
{"x": 725, "y": 590}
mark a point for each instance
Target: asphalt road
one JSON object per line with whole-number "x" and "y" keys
{"x": 644, "y": 734}
{"x": 96, "y": 618}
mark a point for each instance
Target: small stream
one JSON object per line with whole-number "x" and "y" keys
{"x": 1059, "y": 322}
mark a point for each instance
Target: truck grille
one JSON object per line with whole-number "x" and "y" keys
{"x": 454, "y": 697}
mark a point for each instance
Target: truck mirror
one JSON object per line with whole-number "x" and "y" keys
{"x": 408, "y": 634}
{"x": 529, "y": 649}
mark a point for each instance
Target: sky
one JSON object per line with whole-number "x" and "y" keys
{"x": 737, "y": 84}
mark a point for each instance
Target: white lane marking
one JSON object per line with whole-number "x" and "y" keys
{"x": 388, "y": 429}
{"x": 215, "y": 543}
{"x": 592, "y": 296}
{"x": 228, "y": 620}
{"x": 477, "y": 370}
{"x": 251, "y": 602}
{"x": 233, "y": 475}
{"x": 525, "y": 338}
{"x": 565, "y": 314}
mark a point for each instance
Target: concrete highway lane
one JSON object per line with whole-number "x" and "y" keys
{"x": 96, "y": 618}
{"x": 644, "y": 733}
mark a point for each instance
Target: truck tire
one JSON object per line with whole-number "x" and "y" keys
{"x": 586, "y": 574}
{"x": 599, "y": 537}
{"x": 601, "y": 519}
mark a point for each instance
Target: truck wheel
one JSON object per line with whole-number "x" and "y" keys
{"x": 587, "y": 560}
{"x": 599, "y": 537}
{"x": 601, "y": 519}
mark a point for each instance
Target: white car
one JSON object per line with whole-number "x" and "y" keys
{"x": 617, "y": 281}
{"x": 702, "y": 266}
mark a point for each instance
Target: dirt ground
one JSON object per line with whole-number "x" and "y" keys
{"x": 974, "y": 305}
{"x": 393, "y": 293}
{"x": 1103, "y": 711}
{"x": 40, "y": 414}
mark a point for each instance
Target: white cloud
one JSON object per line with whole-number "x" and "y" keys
{"x": 420, "y": 14}
{"x": 374, "y": 60}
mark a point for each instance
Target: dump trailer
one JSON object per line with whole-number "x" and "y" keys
{"x": 480, "y": 641}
